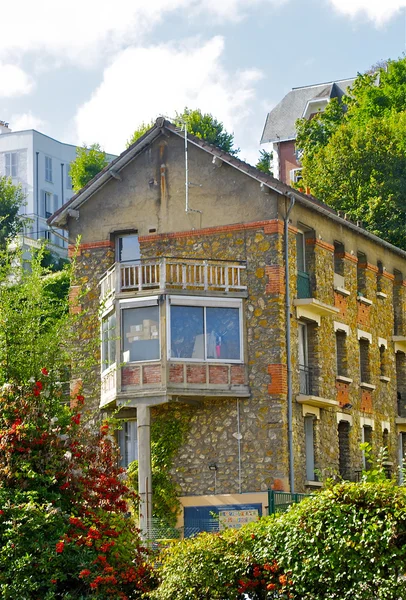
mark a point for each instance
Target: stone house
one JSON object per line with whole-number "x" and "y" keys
{"x": 272, "y": 326}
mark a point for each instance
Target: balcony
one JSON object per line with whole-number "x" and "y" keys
{"x": 303, "y": 285}
{"x": 167, "y": 274}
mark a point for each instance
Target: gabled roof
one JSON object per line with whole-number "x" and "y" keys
{"x": 281, "y": 120}
{"x": 162, "y": 127}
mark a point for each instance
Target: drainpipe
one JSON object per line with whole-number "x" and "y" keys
{"x": 288, "y": 346}
{"x": 144, "y": 467}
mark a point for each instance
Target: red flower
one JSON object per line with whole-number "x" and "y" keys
{"x": 53, "y": 580}
{"x": 38, "y": 385}
{"x": 80, "y": 398}
{"x": 59, "y": 547}
{"x": 1, "y": 512}
{"x": 84, "y": 573}
{"x": 44, "y": 371}
{"x": 76, "y": 419}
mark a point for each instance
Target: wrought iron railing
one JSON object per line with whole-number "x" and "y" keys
{"x": 170, "y": 273}
{"x": 305, "y": 380}
{"x": 280, "y": 501}
{"x": 303, "y": 285}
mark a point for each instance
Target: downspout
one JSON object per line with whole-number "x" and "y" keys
{"x": 36, "y": 207}
{"x": 288, "y": 346}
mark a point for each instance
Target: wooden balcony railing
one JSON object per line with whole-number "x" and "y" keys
{"x": 169, "y": 273}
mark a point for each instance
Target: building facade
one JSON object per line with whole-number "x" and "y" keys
{"x": 275, "y": 329}
{"x": 279, "y": 135}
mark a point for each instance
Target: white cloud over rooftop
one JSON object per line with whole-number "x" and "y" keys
{"x": 379, "y": 11}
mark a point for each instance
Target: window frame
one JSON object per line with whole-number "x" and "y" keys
{"x": 117, "y": 237}
{"x": 10, "y": 156}
{"x": 106, "y": 369}
{"x": 139, "y": 303}
{"x": 121, "y": 441}
{"x": 209, "y": 302}
{"x": 48, "y": 169}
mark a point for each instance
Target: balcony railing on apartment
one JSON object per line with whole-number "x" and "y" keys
{"x": 305, "y": 380}
{"x": 303, "y": 285}
{"x": 171, "y": 273}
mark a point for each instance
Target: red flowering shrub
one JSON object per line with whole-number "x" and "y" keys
{"x": 65, "y": 530}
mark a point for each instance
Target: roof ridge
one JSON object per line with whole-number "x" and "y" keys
{"x": 303, "y": 87}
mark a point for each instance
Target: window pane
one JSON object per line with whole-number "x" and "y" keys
{"x": 127, "y": 438}
{"x": 128, "y": 248}
{"x": 187, "y": 335}
{"x": 223, "y": 333}
{"x": 141, "y": 334}
{"x": 109, "y": 340}
{"x": 300, "y": 252}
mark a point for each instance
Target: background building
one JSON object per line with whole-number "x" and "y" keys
{"x": 279, "y": 133}
{"x": 272, "y": 326}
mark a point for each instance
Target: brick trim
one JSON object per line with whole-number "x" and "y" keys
{"x": 210, "y": 230}
{"x": 368, "y": 266}
{"x": 72, "y": 248}
{"x": 320, "y": 244}
{"x": 274, "y": 226}
{"x": 388, "y": 276}
{"x": 276, "y": 279}
{"x": 347, "y": 256}
{"x": 279, "y": 379}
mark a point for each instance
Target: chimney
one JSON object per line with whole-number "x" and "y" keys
{"x": 4, "y": 128}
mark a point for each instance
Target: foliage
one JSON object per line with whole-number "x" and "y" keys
{"x": 89, "y": 161}
{"x": 167, "y": 435}
{"x": 64, "y": 528}
{"x": 11, "y": 200}
{"x": 347, "y": 542}
{"x": 264, "y": 162}
{"x": 219, "y": 566}
{"x": 354, "y": 153}
{"x": 52, "y": 261}
{"x": 139, "y": 132}
{"x": 206, "y": 127}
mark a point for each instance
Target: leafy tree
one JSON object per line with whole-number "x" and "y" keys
{"x": 264, "y": 162}
{"x": 89, "y": 161}
{"x": 143, "y": 128}
{"x": 354, "y": 154}
{"x": 11, "y": 200}
{"x": 202, "y": 125}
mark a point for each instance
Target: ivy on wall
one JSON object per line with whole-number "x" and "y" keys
{"x": 168, "y": 432}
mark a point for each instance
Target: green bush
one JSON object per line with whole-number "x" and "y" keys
{"x": 347, "y": 542}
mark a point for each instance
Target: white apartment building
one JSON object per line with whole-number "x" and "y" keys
{"x": 41, "y": 164}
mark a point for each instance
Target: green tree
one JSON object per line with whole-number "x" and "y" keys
{"x": 264, "y": 162}
{"x": 354, "y": 153}
{"x": 143, "y": 128}
{"x": 11, "y": 200}
{"x": 202, "y": 125}
{"x": 89, "y": 161}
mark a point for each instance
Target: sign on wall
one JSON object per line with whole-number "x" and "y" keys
{"x": 236, "y": 518}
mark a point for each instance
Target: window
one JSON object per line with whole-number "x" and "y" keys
{"x": 300, "y": 251}
{"x": 128, "y": 248}
{"x": 108, "y": 341}
{"x": 140, "y": 339}
{"x": 383, "y": 363}
{"x": 205, "y": 332}
{"x": 339, "y": 258}
{"x": 309, "y": 438}
{"x": 341, "y": 350}
{"x": 401, "y": 382}
{"x": 48, "y": 169}
{"x": 127, "y": 441}
{"x": 379, "y": 278}
{"x": 304, "y": 371}
{"x": 11, "y": 160}
{"x": 344, "y": 449}
{"x": 366, "y": 438}
{"x": 397, "y": 303}
{"x": 364, "y": 360}
{"x": 48, "y": 208}
{"x": 303, "y": 277}
{"x": 361, "y": 280}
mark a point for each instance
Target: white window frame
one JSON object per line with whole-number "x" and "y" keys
{"x": 300, "y": 232}
{"x": 106, "y": 369}
{"x": 8, "y": 157}
{"x": 309, "y": 448}
{"x": 210, "y": 302}
{"x": 48, "y": 169}
{"x": 122, "y": 433}
{"x": 139, "y": 303}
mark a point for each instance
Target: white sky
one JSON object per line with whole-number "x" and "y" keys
{"x": 95, "y": 70}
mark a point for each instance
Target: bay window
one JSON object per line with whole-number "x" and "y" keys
{"x": 205, "y": 329}
{"x": 108, "y": 340}
{"x": 140, "y": 331}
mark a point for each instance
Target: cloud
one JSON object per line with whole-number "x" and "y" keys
{"x": 379, "y": 11}
{"x": 84, "y": 32}
{"x": 20, "y": 122}
{"x": 14, "y": 81}
{"x": 143, "y": 83}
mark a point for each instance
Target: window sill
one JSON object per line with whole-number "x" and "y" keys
{"x": 384, "y": 378}
{"x": 367, "y": 386}
{"x": 364, "y": 300}
{"x": 316, "y": 401}
{"x": 314, "y": 484}
{"x": 381, "y": 295}
{"x": 343, "y": 379}
{"x": 342, "y": 291}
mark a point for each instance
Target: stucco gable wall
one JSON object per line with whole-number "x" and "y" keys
{"x": 151, "y": 195}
